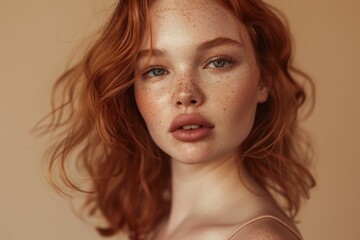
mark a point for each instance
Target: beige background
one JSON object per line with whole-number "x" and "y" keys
{"x": 36, "y": 39}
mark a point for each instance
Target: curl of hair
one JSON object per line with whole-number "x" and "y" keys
{"x": 100, "y": 125}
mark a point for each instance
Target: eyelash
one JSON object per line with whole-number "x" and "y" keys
{"x": 151, "y": 69}
{"x": 228, "y": 61}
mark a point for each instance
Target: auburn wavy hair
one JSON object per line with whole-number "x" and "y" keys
{"x": 101, "y": 131}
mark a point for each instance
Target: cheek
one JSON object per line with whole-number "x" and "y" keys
{"x": 149, "y": 106}
{"x": 239, "y": 102}
{"x": 245, "y": 100}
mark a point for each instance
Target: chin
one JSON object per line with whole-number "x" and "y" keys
{"x": 190, "y": 160}
{"x": 191, "y": 153}
{"x": 203, "y": 155}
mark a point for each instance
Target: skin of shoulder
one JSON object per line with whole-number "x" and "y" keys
{"x": 265, "y": 229}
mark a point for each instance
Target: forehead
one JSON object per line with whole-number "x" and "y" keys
{"x": 187, "y": 8}
{"x": 193, "y": 20}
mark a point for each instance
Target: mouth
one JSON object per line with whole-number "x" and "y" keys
{"x": 189, "y": 122}
{"x": 190, "y": 127}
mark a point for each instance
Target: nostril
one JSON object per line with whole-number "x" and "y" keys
{"x": 187, "y": 102}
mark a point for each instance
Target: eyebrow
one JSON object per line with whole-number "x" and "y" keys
{"x": 217, "y": 42}
{"x": 153, "y": 52}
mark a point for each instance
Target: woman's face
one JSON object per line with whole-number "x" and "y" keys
{"x": 200, "y": 85}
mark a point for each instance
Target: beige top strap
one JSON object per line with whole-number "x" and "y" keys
{"x": 242, "y": 226}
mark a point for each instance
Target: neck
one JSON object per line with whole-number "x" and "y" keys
{"x": 204, "y": 191}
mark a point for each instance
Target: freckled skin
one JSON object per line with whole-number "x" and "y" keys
{"x": 227, "y": 97}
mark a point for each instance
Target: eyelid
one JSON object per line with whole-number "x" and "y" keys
{"x": 229, "y": 59}
{"x": 147, "y": 70}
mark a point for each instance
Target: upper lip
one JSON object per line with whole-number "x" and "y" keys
{"x": 189, "y": 119}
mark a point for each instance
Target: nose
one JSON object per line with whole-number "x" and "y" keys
{"x": 188, "y": 93}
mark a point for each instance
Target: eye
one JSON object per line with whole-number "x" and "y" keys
{"x": 220, "y": 62}
{"x": 155, "y": 72}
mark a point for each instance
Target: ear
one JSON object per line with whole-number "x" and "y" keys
{"x": 263, "y": 92}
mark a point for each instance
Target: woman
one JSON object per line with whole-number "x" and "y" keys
{"x": 183, "y": 113}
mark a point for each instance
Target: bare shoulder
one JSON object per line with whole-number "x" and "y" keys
{"x": 266, "y": 229}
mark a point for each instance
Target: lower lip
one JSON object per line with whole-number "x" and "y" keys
{"x": 191, "y": 135}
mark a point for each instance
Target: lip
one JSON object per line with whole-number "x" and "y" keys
{"x": 190, "y": 135}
